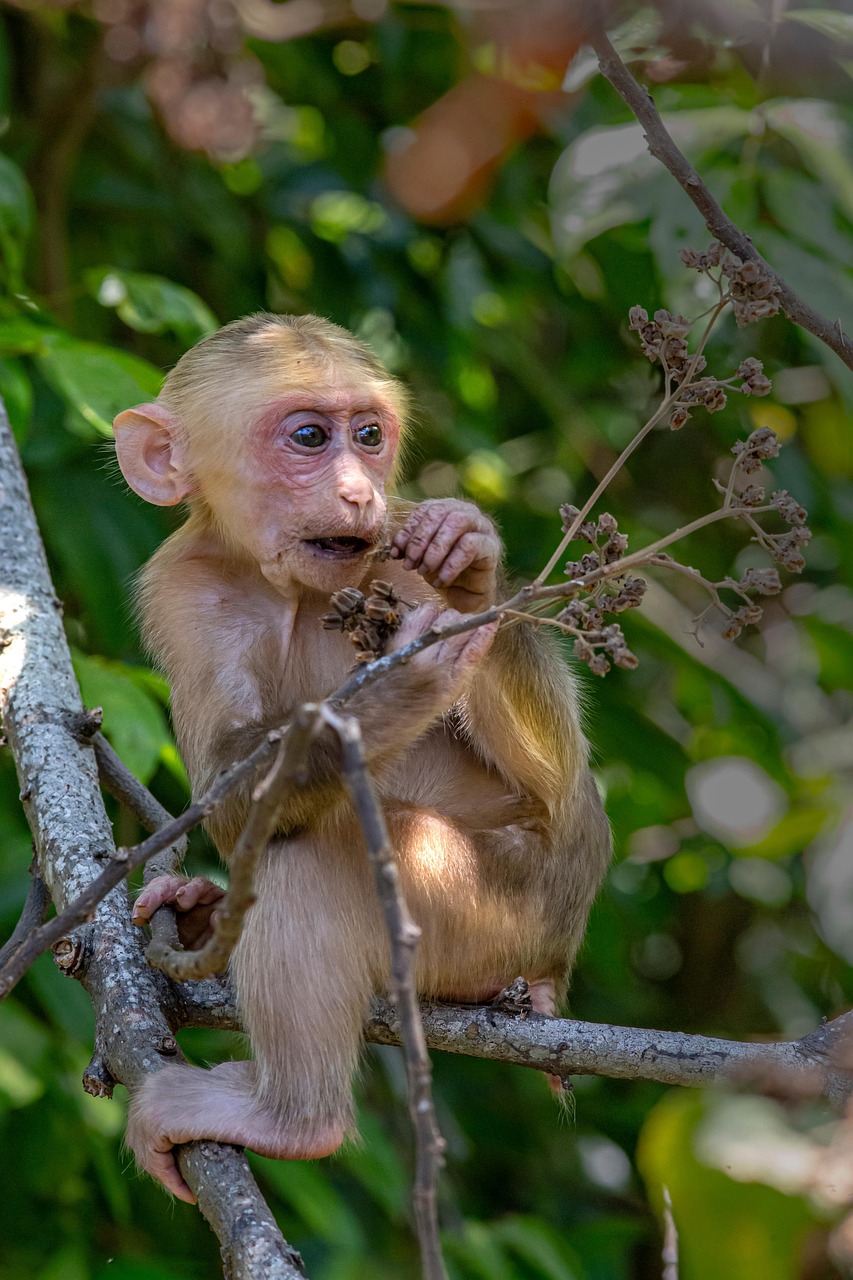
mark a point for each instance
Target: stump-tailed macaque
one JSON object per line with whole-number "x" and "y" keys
{"x": 281, "y": 434}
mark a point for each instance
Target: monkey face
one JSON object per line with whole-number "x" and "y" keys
{"x": 285, "y": 456}
{"x": 305, "y": 496}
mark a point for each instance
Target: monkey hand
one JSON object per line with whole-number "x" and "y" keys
{"x": 451, "y": 662}
{"x": 194, "y": 902}
{"x": 456, "y": 548}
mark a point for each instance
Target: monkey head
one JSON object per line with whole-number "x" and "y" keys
{"x": 282, "y": 433}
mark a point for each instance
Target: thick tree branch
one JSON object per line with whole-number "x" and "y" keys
{"x": 41, "y": 709}
{"x": 664, "y": 149}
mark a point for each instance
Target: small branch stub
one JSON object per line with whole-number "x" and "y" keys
{"x": 72, "y": 953}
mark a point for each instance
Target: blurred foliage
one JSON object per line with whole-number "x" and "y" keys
{"x": 726, "y": 769}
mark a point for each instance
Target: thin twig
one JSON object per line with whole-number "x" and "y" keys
{"x": 129, "y": 791}
{"x": 663, "y": 408}
{"x": 664, "y": 149}
{"x": 126, "y": 860}
{"x": 213, "y": 957}
{"x": 33, "y": 912}
{"x": 404, "y": 935}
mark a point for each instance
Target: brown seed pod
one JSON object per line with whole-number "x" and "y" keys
{"x": 347, "y": 601}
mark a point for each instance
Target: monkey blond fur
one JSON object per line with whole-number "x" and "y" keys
{"x": 282, "y": 434}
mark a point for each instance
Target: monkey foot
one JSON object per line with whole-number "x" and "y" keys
{"x": 186, "y": 1104}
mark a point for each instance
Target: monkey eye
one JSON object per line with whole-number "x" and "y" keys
{"x": 310, "y": 436}
{"x": 369, "y": 435}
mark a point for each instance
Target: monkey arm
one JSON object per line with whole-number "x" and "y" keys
{"x": 522, "y": 715}
{"x": 391, "y": 717}
{"x": 392, "y": 714}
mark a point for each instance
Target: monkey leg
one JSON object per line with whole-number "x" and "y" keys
{"x": 183, "y": 1103}
{"x": 303, "y": 974}
{"x": 304, "y": 971}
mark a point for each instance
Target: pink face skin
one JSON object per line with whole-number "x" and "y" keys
{"x": 306, "y": 494}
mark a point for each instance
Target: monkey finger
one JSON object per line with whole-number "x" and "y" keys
{"x": 160, "y": 890}
{"x": 198, "y": 892}
{"x": 415, "y": 623}
{"x": 473, "y": 550}
{"x": 423, "y": 535}
{"x": 462, "y": 654}
{"x": 401, "y": 538}
{"x": 454, "y": 530}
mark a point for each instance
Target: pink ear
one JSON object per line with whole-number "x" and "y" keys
{"x": 150, "y": 454}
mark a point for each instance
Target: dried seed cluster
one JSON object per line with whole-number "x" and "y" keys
{"x": 368, "y": 621}
{"x": 757, "y": 448}
{"x": 664, "y": 338}
{"x": 598, "y": 643}
{"x": 753, "y": 291}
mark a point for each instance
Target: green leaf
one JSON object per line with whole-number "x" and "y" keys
{"x": 802, "y": 209}
{"x": 837, "y": 26}
{"x": 20, "y": 336}
{"x": 308, "y": 1191}
{"x": 16, "y": 219}
{"x": 821, "y": 133}
{"x": 540, "y": 1246}
{"x": 152, "y": 304}
{"x": 737, "y": 1229}
{"x": 17, "y": 392}
{"x": 608, "y": 177}
{"x": 133, "y": 721}
{"x": 479, "y": 1253}
{"x": 96, "y": 382}
{"x": 376, "y": 1164}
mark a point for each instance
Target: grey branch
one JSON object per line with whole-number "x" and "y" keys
{"x": 663, "y": 148}
{"x": 41, "y": 711}
{"x": 565, "y": 1047}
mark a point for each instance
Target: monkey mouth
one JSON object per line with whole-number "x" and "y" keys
{"x": 344, "y": 547}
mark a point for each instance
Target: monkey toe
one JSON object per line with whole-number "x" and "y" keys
{"x": 163, "y": 1166}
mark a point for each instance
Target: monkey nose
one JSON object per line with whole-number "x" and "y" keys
{"x": 357, "y": 492}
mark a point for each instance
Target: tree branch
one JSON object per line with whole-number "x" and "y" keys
{"x": 404, "y": 936}
{"x": 664, "y": 149}
{"x": 814, "y": 1064}
{"x": 34, "y": 910}
{"x": 41, "y": 709}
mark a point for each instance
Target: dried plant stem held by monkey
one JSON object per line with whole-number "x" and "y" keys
{"x": 282, "y": 435}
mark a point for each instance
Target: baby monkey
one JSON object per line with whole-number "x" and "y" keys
{"x": 282, "y": 435}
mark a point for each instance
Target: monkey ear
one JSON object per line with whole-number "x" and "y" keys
{"x": 151, "y": 455}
